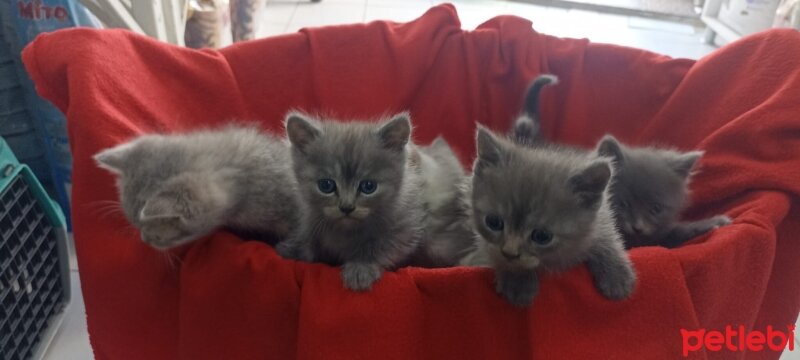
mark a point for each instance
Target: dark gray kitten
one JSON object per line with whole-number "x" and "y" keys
{"x": 179, "y": 187}
{"x": 649, "y": 192}
{"x": 527, "y": 127}
{"x": 545, "y": 208}
{"x": 360, "y": 187}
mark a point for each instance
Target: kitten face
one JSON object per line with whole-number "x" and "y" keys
{"x": 535, "y": 206}
{"x": 650, "y": 186}
{"x": 348, "y": 172}
{"x": 169, "y": 205}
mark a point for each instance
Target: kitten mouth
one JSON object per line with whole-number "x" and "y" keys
{"x": 527, "y": 264}
{"x": 520, "y": 263}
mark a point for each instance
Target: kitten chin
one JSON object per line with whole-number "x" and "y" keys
{"x": 176, "y": 188}
{"x": 544, "y": 208}
{"x": 360, "y": 195}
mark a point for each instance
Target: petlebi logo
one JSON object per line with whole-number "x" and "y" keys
{"x": 738, "y": 339}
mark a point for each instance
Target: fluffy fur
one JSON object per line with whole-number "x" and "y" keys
{"x": 342, "y": 224}
{"x": 527, "y": 128}
{"x": 179, "y": 187}
{"x": 448, "y": 228}
{"x": 650, "y": 190}
{"x": 553, "y": 210}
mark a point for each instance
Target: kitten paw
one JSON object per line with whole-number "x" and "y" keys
{"x": 617, "y": 284}
{"x": 518, "y": 289}
{"x": 360, "y": 276}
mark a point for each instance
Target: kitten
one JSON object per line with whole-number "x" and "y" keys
{"x": 527, "y": 128}
{"x": 179, "y": 187}
{"x": 545, "y": 208}
{"x": 360, "y": 187}
{"x": 448, "y": 229}
{"x": 650, "y": 190}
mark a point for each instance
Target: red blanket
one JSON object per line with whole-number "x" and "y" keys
{"x": 224, "y": 298}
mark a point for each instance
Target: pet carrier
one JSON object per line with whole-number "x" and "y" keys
{"x": 34, "y": 265}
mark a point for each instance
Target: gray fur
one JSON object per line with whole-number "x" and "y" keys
{"x": 527, "y": 128}
{"x": 448, "y": 228}
{"x": 384, "y": 228}
{"x": 559, "y": 190}
{"x": 650, "y": 191}
{"x": 176, "y": 188}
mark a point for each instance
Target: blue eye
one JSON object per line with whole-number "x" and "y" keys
{"x": 541, "y": 237}
{"x": 367, "y": 187}
{"x": 494, "y": 222}
{"x": 326, "y": 186}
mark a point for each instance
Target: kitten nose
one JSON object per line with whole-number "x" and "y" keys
{"x": 638, "y": 230}
{"x": 346, "y": 209}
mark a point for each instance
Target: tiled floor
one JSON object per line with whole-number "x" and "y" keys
{"x": 281, "y": 16}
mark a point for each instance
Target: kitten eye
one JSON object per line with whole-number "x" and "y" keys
{"x": 541, "y": 237}
{"x": 326, "y": 186}
{"x": 367, "y": 187}
{"x": 494, "y": 222}
{"x": 623, "y": 204}
{"x": 656, "y": 209}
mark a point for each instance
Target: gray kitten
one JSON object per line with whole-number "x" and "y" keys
{"x": 545, "y": 208}
{"x": 448, "y": 228}
{"x": 650, "y": 190}
{"x": 527, "y": 127}
{"x": 360, "y": 187}
{"x": 179, "y": 187}
{"x": 650, "y": 187}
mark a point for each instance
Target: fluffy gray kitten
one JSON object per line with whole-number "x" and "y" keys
{"x": 360, "y": 186}
{"x": 545, "y": 208}
{"x": 650, "y": 190}
{"x": 176, "y": 188}
{"x": 526, "y": 129}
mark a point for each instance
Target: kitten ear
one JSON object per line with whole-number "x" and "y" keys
{"x": 591, "y": 182}
{"x": 610, "y": 147}
{"x": 396, "y": 132}
{"x": 300, "y": 130}
{"x": 684, "y": 163}
{"x": 114, "y": 159}
{"x": 489, "y": 148}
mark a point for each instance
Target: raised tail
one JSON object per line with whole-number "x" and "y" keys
{"x": 531, "y": 106}
{"x": 525, "y": 129}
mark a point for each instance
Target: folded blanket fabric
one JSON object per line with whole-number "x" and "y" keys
{"x": 230, "y": 299}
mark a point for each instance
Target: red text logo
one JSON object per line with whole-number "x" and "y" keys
{"x": 737, "y": 339}
{"x": 35, "y": 10}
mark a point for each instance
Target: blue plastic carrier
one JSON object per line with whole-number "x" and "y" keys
{"x": 34, "y": 262}
{"x": 34, "y": 128}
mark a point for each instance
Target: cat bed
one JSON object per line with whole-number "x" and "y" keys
{"x": 224, "y": 298}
